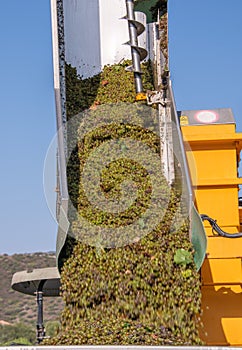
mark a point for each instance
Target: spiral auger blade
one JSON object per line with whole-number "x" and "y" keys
{"x": 138, "y": 53}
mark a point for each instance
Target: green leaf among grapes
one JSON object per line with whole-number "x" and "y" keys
{"x": 183, "y": 257}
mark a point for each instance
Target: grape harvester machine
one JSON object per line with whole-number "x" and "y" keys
{"x": 210, "y": 189}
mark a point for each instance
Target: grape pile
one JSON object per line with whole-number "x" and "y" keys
{"x": 146, "y": 292}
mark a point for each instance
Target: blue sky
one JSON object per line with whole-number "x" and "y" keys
{"x": 206, "y": 70}
{"x": 206, "y": 54}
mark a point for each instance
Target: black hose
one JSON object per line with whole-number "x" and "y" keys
{"x": 218, "y": 229}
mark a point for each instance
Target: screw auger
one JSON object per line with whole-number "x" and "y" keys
{"x": 138, "y": 53}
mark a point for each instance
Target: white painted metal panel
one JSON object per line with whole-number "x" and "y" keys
{"x": 113, "y": 32}
{"x": 96, "y": 34}
{"x": 55, "y": 44}
{"x": 82, "y": 36}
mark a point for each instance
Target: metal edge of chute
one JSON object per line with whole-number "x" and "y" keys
{"x": 197, "y": 231}
{"x": 59, "y": 87}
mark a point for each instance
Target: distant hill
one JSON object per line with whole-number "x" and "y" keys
{"x": 17, "y": 307}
